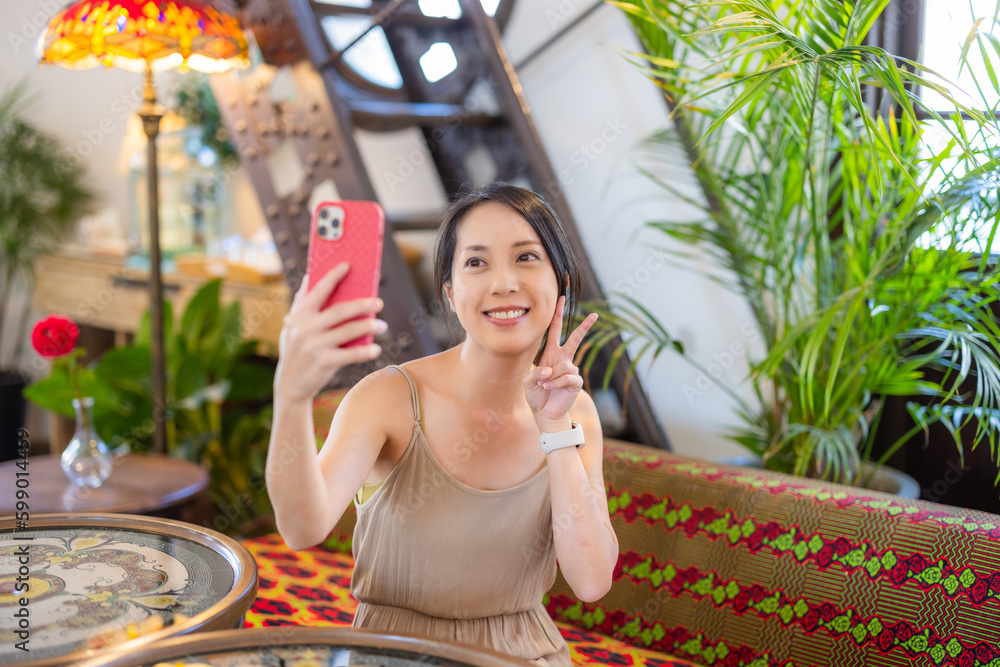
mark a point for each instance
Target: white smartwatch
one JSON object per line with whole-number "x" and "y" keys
{"x": 549, "y": 442}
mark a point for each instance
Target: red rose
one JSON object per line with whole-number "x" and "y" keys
{"x": 884, "y": 641}
{"x": 903, "y": 631}
{"x": 757, "y": 593}
{"x": 898, "y": 573}
{"x": 54, "y": 336}
{"x": 745, "y": 654}
{"x": 979, "y": 591}
{"x": 708, "y": 515}
{"x": 692, "y": 525}
{"x": 827, "y": 612}
{"x": 811, "y": 620}
{"x": 995, "y": 583}
{"x": 917, "y": 563}
{"x": 984, "y": 652}
{"x": 772, "y": 531}
{"x": 756, "y": 540}
{"x": 741, "y": 601}
{"x": 966, "y": 659}
{"x": 841, "y": 546}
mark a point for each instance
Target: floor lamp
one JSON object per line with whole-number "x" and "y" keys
{"x": 146, "y": 36}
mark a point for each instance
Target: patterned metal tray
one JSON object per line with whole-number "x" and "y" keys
{"x": 89, "y": 582}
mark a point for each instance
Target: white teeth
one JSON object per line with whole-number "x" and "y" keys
{"x": 507, "y": 314}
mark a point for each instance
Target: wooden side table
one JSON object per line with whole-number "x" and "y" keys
{"x": 139, "y": 484}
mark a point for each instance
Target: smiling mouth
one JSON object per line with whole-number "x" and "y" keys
{"x": 509, "y": 314}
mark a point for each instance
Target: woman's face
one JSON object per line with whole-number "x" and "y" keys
{"x": 503, "y": 286}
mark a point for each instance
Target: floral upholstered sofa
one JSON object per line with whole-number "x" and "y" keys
{"x": 735, "y": 567}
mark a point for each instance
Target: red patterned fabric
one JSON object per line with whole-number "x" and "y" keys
{"x": 737, "y": 567}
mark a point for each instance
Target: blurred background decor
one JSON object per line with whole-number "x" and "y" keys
{"x": 218, "y": 395}
{"x": 146, "y": 37}
{"x": 43, "y": 192}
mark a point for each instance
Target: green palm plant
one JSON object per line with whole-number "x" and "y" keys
{"x": 817, "y": 211}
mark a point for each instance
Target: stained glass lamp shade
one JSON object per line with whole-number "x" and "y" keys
{"x": 146, "y": 36}
{"x": 132, "y": 34}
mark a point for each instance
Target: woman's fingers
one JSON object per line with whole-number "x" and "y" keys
{"x": 348, "y": 331}
{"x": 564, "y": 382}
{"x": 575, "y": 338}
{"x": 341, "y": 312}
{"x": 555, "y": 326}
{"x": 345, "y": 356}
{"x": 315, "y": 297}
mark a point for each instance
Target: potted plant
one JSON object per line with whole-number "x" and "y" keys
{"x": 42, "y": 195}
{"x": 219, "y": 397}
{"x": 863, "y": 256}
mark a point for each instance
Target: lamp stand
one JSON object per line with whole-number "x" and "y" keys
{"x": 151, "y": 113}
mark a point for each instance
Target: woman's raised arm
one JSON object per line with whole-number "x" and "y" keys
{"x": 306, "y": 504}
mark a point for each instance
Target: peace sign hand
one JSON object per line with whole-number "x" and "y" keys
{"x": 552, "y": 386}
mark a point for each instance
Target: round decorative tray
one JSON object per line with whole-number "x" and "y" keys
{"x": 72, "y": 585}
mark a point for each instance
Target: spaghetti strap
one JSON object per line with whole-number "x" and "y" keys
{"x": 413, "y": 393}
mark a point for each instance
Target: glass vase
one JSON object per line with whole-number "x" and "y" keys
{"x": 86, "y": 460}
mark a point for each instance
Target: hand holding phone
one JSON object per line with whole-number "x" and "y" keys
{"x": 351, "y": 232}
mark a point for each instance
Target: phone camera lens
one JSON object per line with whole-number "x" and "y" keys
{"x": 324, "y": 214}
{"x": 322, "y": 230}
{"x": 336, "y": 222}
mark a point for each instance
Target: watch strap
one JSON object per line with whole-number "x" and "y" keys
{"x": 549, "y": 442}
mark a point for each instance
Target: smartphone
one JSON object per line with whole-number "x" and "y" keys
{"x": 352, "y": 232}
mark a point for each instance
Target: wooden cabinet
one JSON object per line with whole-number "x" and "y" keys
{"x": 99, "y": 292}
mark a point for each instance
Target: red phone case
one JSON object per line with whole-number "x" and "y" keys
{"x": 360, "y": 245}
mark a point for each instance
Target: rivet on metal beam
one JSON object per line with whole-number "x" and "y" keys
{"x": 312, "y": 158}
{"x": 308, "y": 171}
{"x": 303, "y": 130}
{"x": 281, "y": 237}
{"x": 241, "y": 125}
{"x": 231, "y": 100}
{"x": 272, "y": 211}
{"x": 263, "y": 129}
{"x": 331, "y": 158}
{"x": 323, "y": 132}
{"x": 251, "y": 99}
{"x": 304, "y": 240}
{"x": 293, "y": 210}
{"x": 300, "y": 196}
{"x": 250, "y": 153}
{"x": 290, "y": 263}
{"x": 315, "y": 106}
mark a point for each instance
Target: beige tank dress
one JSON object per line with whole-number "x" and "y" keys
{"x": 436, "y": 557}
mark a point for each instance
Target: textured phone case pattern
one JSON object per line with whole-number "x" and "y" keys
{"x": 360, "y": 246}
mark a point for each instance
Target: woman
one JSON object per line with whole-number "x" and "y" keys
{"x": 461, "y": 511}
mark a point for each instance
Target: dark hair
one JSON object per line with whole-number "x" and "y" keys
{"x": 536, "y": 212}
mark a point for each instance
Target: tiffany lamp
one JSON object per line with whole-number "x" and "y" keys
{"x": 146, "y": 36}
